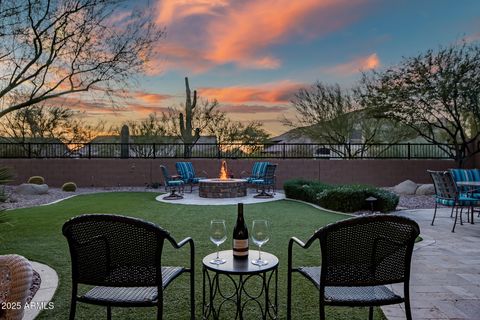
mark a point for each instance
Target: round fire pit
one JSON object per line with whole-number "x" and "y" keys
{"x": 222, "y": 188}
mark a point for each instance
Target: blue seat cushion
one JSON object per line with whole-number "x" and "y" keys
{"x": 187, "y": 172}
{"x": 262, "y": 181}
{"x": 175, "y": 183}
{"x": 463, "y": 200}
{"x": 196, "y": 180}
{"x": 475, "y": 195}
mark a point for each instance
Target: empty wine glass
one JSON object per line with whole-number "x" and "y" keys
{"x": 218, "y": 235}
{"x": 260, "y": 236}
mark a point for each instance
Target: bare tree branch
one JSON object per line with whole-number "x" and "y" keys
{"x": 52, "y": 48}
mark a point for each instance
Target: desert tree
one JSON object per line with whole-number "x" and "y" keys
{"x": 436, "y": 94}
{"x": 329, "y": 114}
{"x": 53, "y": 48}
{"x": 39, "y": 124}
{"x": 210, "y": 120}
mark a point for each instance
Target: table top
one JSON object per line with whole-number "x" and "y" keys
{"x": 240, "y": 266}
{"x": 469, "y": 183}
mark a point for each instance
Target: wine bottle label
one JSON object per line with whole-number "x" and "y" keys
{"x": 240, "y": 247}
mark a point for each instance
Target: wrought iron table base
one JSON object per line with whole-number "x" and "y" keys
{"x": 268, "y": 310}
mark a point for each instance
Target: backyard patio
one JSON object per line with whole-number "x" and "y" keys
{"x": 444, "y": 280}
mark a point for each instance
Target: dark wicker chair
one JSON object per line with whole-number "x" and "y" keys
{"x": 447, "y": 194}
{"x": 122, "y": 258}
{"x": 359, "y": 257}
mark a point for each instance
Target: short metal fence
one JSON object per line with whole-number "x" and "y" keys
{"x": 230, "y": 150}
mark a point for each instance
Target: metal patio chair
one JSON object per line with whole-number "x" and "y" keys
{"x": 447, "y": 194}
{"x": 266, "y": 183}
{"x": 187, "y": 172}
{"x": 172, "y": 184}
{"x": 359, "y": 257}
{"x": 122, "y": 258}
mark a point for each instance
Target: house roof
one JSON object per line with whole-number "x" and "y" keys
{"x": 151, "y": 139}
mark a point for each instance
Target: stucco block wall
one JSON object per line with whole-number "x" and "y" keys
{"x": 139, "y": 172}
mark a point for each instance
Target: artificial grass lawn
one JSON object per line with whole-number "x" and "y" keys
{"x": 36, "y": 234}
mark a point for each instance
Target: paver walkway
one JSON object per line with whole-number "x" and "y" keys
{"x": 445, "y": 280}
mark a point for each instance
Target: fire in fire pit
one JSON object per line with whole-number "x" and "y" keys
{"x": 223, "y": 171}
{"x": 223, "y": 186}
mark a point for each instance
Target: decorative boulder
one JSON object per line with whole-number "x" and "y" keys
{"x": 405, "y": 187}
{"x": 32, "y": 189}
{"x": 425, "y": 190}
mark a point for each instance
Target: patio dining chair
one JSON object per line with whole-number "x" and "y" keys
{"x": 447, "y": 194}
{"x": 187, "y": 172}
{"x": 359, "y": 257}
{"x": 467, "y": 175}
{"x": 258, "y": 171}
{"x": 171, "y": 183}
{"x": 121, "y": 257}
{"x": 266, "y": 183}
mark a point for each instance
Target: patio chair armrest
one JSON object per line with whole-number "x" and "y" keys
{"x": 183, "y": 242}
{"x": 302, "y": 244}
{"x": 297, "y": 241}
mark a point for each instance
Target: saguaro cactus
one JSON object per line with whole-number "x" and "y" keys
{"x": 187, "y": 134}
{"x": 124, "y": 139}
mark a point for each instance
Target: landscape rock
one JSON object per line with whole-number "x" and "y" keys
{"x": 32, "y": 189}
{"x": 405, "y": 187}
{"x": 425, "y": 190}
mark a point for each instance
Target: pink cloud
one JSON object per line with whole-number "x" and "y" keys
{"x": 277, "y": 92}
{"x": 356, "y": 65}
{"x": 202, "y": 34}
{"x": 472, "y": 37}
{"x": 150, "y": 98}
{"x": 253, "y": 109}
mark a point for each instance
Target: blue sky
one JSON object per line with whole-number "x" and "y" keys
{"x": 253, "y": 55}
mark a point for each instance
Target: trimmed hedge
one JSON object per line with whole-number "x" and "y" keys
{"x": 344, "y": 198}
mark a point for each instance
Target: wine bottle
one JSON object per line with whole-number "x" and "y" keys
{"x": 240, "y": 236}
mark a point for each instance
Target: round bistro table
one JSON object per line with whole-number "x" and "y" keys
{"x": 239, "y": 273}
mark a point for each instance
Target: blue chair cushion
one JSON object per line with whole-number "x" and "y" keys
{"x": 262, "y": 181}
{"x": 175, "y": 183}
{"x": 463, "y": 201}
{"x": 187, "y": 172}
{"x": 258, "y": 171}
{"x": 465, "y": 175}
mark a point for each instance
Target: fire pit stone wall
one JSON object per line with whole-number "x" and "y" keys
{"x": 217, "y": 188}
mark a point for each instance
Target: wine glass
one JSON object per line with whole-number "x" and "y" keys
{"x": 218, "y": 235}
{"x": 260, "y": 236}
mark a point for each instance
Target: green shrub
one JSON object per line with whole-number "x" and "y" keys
{"x": 36, "y": 180}
{"x": 305, "y": 190}
{"x": 69, "y": 187}
{"x": 344, "y": 198}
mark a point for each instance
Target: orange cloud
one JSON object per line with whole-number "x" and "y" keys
{"x": 150, "y": 98}
{"x": 356, "y": 65}
{"x": 278, "y": 92}
{"x": 253, "y": 109}
{"x": 202, "y": 34}
{"x": 170, "y": 10}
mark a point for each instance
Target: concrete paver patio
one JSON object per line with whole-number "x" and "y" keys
{"x": 445, "y": 279}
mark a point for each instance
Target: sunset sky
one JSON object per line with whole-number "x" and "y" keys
{"x": 252, "y": 55}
